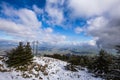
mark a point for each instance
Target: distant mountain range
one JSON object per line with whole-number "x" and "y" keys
{"x": 46, "y": 48}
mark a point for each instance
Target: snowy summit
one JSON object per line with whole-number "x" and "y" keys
{"x": 44, "y": 68}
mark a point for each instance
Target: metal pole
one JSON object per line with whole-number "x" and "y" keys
{"x": 33, "y": 47}
{"x": 36, "y": 47}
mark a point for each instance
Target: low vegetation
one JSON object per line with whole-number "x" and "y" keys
{"x": 104, "y": 65}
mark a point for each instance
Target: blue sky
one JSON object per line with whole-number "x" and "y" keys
{"x": 59, "y": 21}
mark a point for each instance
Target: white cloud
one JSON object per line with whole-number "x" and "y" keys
{"x": 37, "y": 10}
{"x": 48, "y": 30}
{"x": 9, "y": 26}
{"x": 78, "y": 30}
{"x": 15, "y": 29}
{"x": 28, "y": 18}
{"x": 115, "y": 12}
{"x": 23, "y": 24}
{"x": 91, "y": 7}
{"x": 103, "y": 23}
{"x": 97, "y": 23}
{"x": 106, "y": 30}
{"x": 54, "y": 12}
{"x": 92, "y": 42}
{"x": 56, "y": 2}
{"x": 103, "y": 19}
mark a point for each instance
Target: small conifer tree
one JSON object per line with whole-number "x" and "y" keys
{"x": 20, "y": 56}
{"x": 117, "y": 58}
{"x": 28, "y": 52}
{"x": 101, "y": 64}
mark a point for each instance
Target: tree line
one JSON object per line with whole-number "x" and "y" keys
{"x": 104, "y": 64}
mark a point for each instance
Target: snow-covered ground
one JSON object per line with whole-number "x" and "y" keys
{"x": 50, "y": 69}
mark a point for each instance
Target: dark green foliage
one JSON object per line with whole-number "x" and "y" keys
{"x": 79, "y": 60}
{"x": 19, "y": 56}
{"x": 70, "y": 67}
{"x": 114, "y": 73}
{"x": 73, "y": 59}
{"x": 117, "y": 58}
{"x": 103, "y": 65}
{"x": 28, "y": 52}
{"x": 118, "y": 48}
{"x": 58, "y": 56}
{"x": 102, "y": 62}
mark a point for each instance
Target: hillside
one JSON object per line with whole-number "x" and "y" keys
{"x": 43, "y": 68}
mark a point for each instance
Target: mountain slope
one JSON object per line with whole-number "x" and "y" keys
{"x": 43, "y": 68}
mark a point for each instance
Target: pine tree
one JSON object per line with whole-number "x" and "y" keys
{"x": 20, "y": 56}
{"x": 118, "y": 49}
{"x": 101, "y": 64}
{"x": 28, "y": 52}
{"x": 117, "y": 58}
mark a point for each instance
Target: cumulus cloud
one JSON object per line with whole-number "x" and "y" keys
{"x": 55, "y": 13}
{"x": 37, "y": 10}
{"x": 23, "y": 24}
{"x": 90, "y": 8}
{"x": 78, "y": 30}
{"x": 28, "y": 18}
{"x": 48, "y": 30}
{"x": 106, "y": 30}
{"x": 103, "y": 19}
